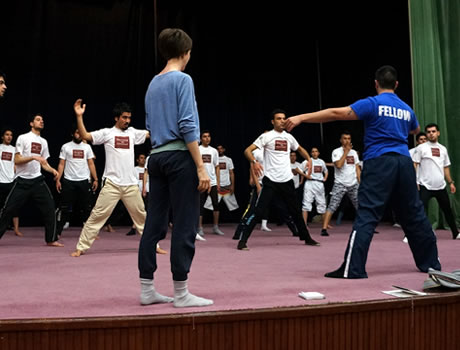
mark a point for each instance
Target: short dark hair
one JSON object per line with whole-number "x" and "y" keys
{"x": 33, "y": 115}
{"x": 277, "y": 111}
{"x": 205, "y": 132}
{"x": 432, "y": 125}
{"x": 345, "y": 132}
{"x": 120, "y": 108}
{"x": 420, "y": 134}
{"x": 173, "y": 43}
{"x": 5, "y": 129}
{"x": 387, "y": 77}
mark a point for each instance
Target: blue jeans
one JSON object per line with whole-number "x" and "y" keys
{"x": 173, "y": 184}
{"x": 390, "y": 179}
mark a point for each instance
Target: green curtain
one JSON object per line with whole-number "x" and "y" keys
{"x": 435, "y": 47}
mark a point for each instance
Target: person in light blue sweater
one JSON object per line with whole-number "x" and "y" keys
{"x": 176, "y": 171}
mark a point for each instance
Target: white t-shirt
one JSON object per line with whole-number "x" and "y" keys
{"x": 277, "y": 147}
{"x": 28, "y": 145}
{"x": 319, "y": 168}
{"x": 296, "y": 177}
{"x": 432, "y": 159}
{"x": 225, "y": 165}
{"x": 210, "y": 158}
{"x": 146, "y": 169}
{"x": 412, "y": 152}
{"x": 346, "y": 175}
{"x": 140, "y": 176}
{"x": 76, "y": 157}
{"x": 6, "y": 163}
{"x": 119, "y": 153}
{"x": 259, "y": 156}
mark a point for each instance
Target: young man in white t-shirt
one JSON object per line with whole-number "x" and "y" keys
{"x": 277, "y": 145}
{"x": 76, "y": 169}
{"x": 119, "y": 178}
{"x": 432, "y": 163}
{"x": 347, "y": 175}
{"x": 314, "y": 184}
{"x": 30, "y": 157}
{"x": 210, "y": 158}
{"x": 7, "y": 171}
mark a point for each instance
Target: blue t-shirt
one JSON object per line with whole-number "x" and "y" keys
{"x": 171, "y": 111}
{"x": 387, "y": 123}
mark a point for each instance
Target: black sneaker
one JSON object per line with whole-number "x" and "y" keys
{"x": 131, "y": 232}
{"x": 324, "y": 232}
{"x": 242, "y": 246}
{"x": 311, "y": 241}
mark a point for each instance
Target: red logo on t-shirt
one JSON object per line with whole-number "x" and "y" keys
{"x": 36, "y": 147}
{"x": 78, "y": 154}
{"x": 350, "y": 160}
{"x": 435, "y": 152}
{"x": 317, "y": 169}
{"x": 141, "y": 176}
{"x": 122, "y": 142}
{"x": 281, "y": 145}
{"x": 223, "y": 166}
{"x": 206, "y": 158}
{"x": 7, "y": 156}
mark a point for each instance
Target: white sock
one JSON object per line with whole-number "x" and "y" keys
{"x": 183, "y": 298}
{"x": 216, "y": 230}
{"x": 150, "y": 296}
{"x": 264, "y": 225}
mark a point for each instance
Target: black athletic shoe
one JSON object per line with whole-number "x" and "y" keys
{"x": 339, "y": 273}
{"x": 131, "y": 232}
{"x": 311, "y": 241}
{"x": 324, "y": 232}
{"x": 242, "y": 246}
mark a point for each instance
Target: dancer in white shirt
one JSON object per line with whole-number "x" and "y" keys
{"x": 7, "y": 172}
{"x": 432, "y": 162}
{"x": 30, "y": 157}
{"x": 119, "y": 178}
{"x": 75, "y": 169}
{"x": 277, "y": 145}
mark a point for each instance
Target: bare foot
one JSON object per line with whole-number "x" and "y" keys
{"x": 109, "y": 228}
{"x": 18, "y": 233}
{"x": 54, "y": 244}
{"x": 161, "y": 251}
{"x": 77, "y": 253}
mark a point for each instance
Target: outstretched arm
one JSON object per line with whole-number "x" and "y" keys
{"x": 323, "y": 116}
{"x": 79, "y": 109}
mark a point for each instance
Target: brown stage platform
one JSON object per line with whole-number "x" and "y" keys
{"x": 354, "y": 315}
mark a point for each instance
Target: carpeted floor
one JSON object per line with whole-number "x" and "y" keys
{"x": 45, "y": 282}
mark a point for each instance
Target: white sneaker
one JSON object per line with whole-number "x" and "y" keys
{"x": 265, "y": 228}
{"x": 397, "y": 225}
{"x": 199, "y": 238}
{"x": 458, "y": 236}
{"x": 200, "y": 232}
{"x": 66, "y": 226}
{"x": 406, "y": 241}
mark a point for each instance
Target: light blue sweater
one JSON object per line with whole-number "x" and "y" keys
{"x": 171, "y": 111}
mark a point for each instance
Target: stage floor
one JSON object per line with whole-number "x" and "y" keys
{"x": 41, "y": 282}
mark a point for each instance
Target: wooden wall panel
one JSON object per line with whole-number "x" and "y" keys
{"x": 427, "y": 323}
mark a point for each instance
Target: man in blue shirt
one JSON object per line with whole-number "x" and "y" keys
{"x": 176, "y": 171}
{"x": 388, "y": 176}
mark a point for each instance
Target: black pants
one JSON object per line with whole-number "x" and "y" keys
{"x": 389, "y": 180}
{"x": 24, "y": 190}
{"x": 214, "y": 199}
{"x": 443, "y": 200}
{"x": 285, "y": 191}
{"x": 5, "y": 189}
{"x": 173, "y": 184}
{"x": 74, "y": 194}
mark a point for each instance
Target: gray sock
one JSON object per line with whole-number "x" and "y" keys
{"x": 183, "y": 298}
{"x": 150, "y": 296}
